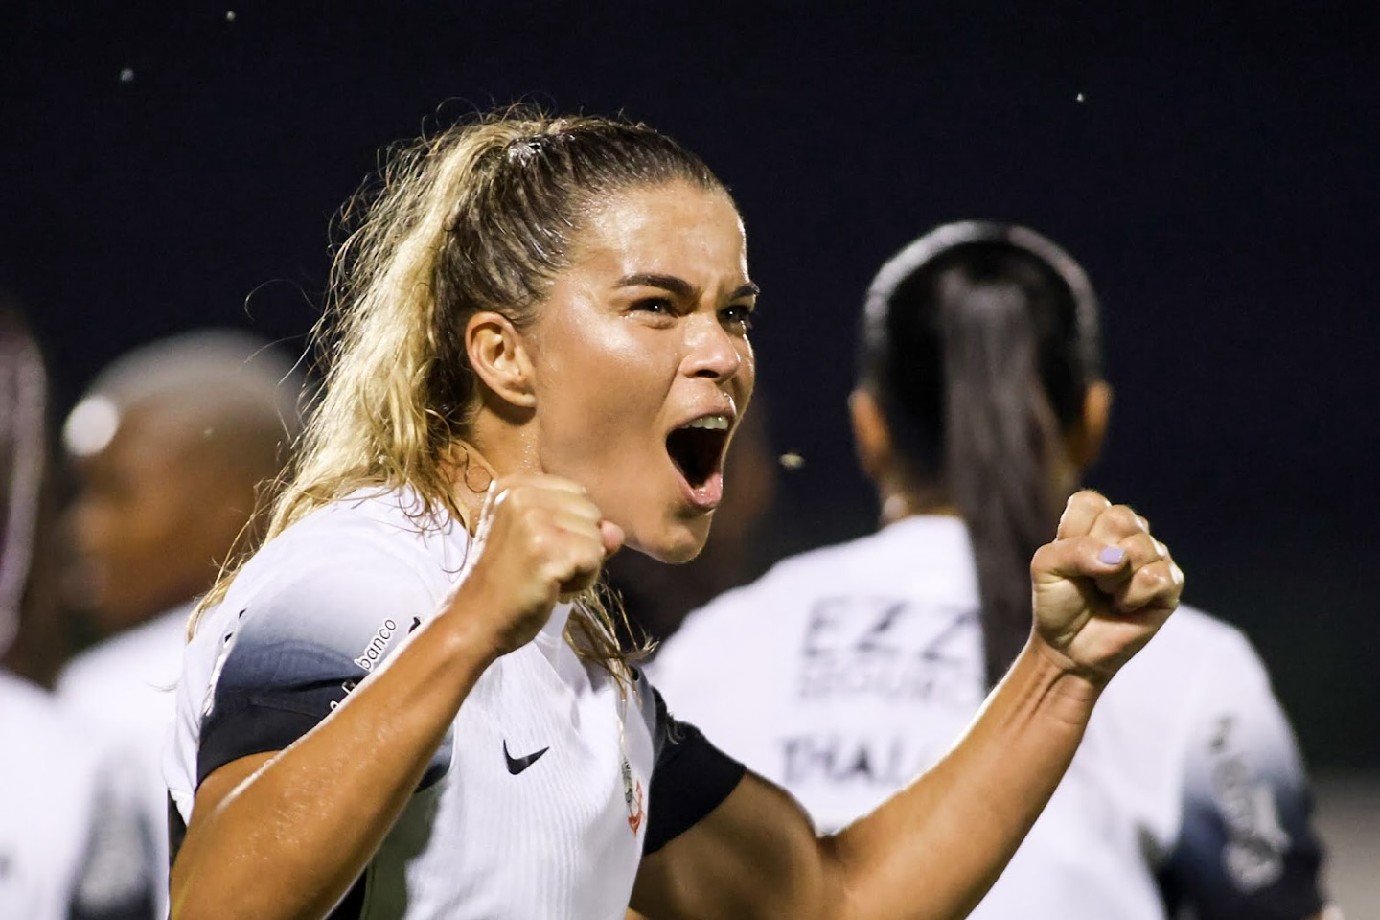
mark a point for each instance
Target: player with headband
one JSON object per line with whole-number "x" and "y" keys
{"x": 408, "y": 702}
{"x": 846, "y": 671}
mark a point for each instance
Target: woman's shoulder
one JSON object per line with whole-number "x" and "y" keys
{"x": 348, "y": 560}
{"x": 1191, "y": 641}
{"x": 368, "y": 533}
{"x": 1194, "y": 666}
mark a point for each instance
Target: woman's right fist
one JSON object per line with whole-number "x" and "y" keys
{"x": 539, "y": 539}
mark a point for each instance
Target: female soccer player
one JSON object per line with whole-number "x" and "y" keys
{"x": 846, "y": 671}
{"x": 407, "y": 704}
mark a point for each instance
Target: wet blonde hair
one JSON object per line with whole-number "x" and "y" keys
{"x": 479, "y": 217}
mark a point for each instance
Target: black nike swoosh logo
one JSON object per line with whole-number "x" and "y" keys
{"x": 517, "y": 764}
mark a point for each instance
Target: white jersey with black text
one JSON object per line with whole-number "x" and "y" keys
{"x": 73, "y": 845}
{"x": 845, "y": 672}
{"x": 122, "y": 690}
{"x": 536, "y": 803}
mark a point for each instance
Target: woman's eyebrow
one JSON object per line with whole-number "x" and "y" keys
{"x": 679, "y": 286}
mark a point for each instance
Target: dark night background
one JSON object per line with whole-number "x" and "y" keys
{"x": 1217, "y": 180}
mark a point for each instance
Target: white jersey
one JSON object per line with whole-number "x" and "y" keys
{"x": 122, "y": 689}
{"x": 72, "y": 844}
{"x": 845, "y": 672}
{"x": 534, "y": 806}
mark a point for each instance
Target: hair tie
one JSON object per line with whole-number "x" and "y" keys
{"x": 524, "y": 149}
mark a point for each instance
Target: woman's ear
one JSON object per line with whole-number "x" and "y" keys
{"x": 499, "y": 358}
{"x": 871, "y": 436}
{"x": 1085, "y": 442}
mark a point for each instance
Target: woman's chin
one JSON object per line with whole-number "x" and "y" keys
{"x": 673, "y": 544}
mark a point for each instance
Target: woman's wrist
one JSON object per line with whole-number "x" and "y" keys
{"x": 469, "y": 637}
{"x": 1067, "y": 689}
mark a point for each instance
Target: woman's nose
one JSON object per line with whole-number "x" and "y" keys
{"x": 711, "y": 351}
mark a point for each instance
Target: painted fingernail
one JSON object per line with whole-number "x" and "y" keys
{"x": 1111, "y": 555}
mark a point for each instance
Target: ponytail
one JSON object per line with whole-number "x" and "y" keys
{"x": 1001, "y": 445}
{"x": 980, "y": 340}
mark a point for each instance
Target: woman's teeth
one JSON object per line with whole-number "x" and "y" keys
{"x": 715, "y": 422}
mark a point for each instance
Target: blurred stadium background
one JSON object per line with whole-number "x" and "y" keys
{"x": 1214, "y": 170}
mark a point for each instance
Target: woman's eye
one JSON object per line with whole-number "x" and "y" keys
{"x": 657, "y": 305}
{"x": 738, "y": 316}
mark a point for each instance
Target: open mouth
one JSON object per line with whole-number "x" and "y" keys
{"x": 697, "y": 448}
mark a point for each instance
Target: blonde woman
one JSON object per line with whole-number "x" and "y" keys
{"x": 409, "y": 704}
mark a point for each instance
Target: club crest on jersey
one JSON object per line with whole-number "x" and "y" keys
{"x": 632, "y": 797}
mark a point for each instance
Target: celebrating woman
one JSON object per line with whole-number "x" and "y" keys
{"x": 410, "y": 703}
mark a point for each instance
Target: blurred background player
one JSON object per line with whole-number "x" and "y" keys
{"x": 70, "y": 845}
{"x": 171, "y": 445}
{"x": 845, "y": 671}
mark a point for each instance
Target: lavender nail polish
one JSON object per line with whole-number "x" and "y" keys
{"x": 1111, "y": 555}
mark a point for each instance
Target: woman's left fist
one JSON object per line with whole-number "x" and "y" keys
{"x": 1102, "y": 588}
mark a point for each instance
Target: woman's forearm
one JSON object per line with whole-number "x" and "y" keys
{"x": 935, "y": 848}
{"x": 291, "y": 839}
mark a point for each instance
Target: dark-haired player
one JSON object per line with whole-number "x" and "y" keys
{"x": 846, "y": 671}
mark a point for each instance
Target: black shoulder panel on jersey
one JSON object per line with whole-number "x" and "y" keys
{"x": 1253, "y": 870}
{"x": 1247, "y": 849}
{"x": 177, "y": 831}
{"x": 280, "y": 677}
{"x": 243, "y": 724}
{"x": 692, "y": 777}
{"x": 246, "y": 722}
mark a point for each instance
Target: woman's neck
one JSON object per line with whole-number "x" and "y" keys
{"x": 471, "y": 476}
{"x": 899, "y": 504}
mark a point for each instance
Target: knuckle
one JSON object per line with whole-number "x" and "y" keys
{"x": 1154, "y": 577}
{"x": 1143, "y": 546}
{"x": 1123, "y": 517}
{"x": 540, "y": 541}
{"x": 1087, "y": 500}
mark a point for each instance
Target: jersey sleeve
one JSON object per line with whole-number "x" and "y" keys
{"x": 299, "y": 648}
{"x": 691, "y": 778}
{"x": 1246, "y": 848}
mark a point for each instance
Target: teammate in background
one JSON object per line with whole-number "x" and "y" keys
{"x": 170, "y": 444}
{"x": 846, "y": 671}
{"x": 544, "y": 354}
{"x": 72, "y": 847}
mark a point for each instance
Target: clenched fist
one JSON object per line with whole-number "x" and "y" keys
{"x": 1102, "y": 588}
{"x": 539, "y": 539}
